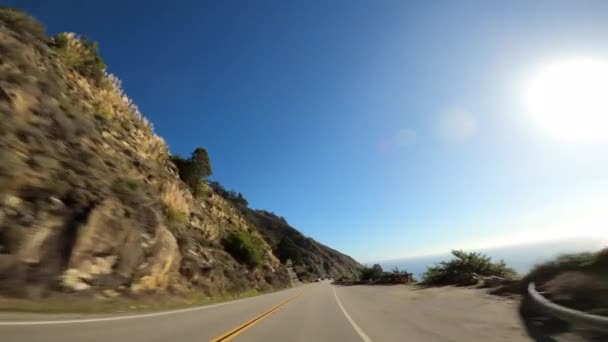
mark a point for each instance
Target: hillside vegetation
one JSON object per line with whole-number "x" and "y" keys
{"x": 311, "y": 259}
{"x": 91, "y": 200}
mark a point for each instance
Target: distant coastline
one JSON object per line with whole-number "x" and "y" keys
{"x": 522, "y": 258}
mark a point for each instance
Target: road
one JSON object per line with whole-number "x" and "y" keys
{"x": 315, "y": 312}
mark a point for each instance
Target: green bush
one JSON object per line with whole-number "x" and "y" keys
{"x": 80, "y": 54}
{"x": 460, "y": 271}
{"x": 371, "y": 273}
{"x": 344, "y": 278}
{"x": 176, "y": 216}
{"x": 203, "y": 192}
{"x": 245, "y": 247}
{"x": 20, "y": 22}
{"x": 194, "y": 170}
{"x": 105, "y": 110}
{"x": 286, "y": 249}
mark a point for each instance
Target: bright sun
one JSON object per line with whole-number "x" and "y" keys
{"x": 569, "y": 99}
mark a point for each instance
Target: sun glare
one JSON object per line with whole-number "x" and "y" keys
{"x": 569, "y": 99}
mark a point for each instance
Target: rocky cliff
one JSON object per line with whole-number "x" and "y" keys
{"x": 89, "y": 198}
{"x": 311, "y": 258}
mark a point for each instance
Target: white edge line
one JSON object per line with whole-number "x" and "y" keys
{"x": 357, "y": 328}
{"x": 118, "y": 318}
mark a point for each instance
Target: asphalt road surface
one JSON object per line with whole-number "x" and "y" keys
{"x": 315, "y": 312}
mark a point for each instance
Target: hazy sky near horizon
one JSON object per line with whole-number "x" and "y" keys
{"x": 382, "y": 128}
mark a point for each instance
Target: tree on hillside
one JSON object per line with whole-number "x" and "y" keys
{"x": 194, "y": 170}
{"x": 201, "y": 162}
{"x": 286, "y": 249}
{"x": 236, "y": 198}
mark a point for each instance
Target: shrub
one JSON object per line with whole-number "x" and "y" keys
{"x": 461, "y": 270}
{"x": 194, "y": 170}
{"x": 344, "y": 278}
{"x": 245, "y": 247}
{"x": 371, "y": 273}
{"x": 129, "y": 191}
{"x": 80, "y": 54}
{"x": 236, "y": 198}
{"x": 286, "y": 249}
{"x": 304, "y": 275}
{"x": 174, "y": 198}
{"x": 593, "y": 263}
{"x": 203, "y": 192}
{"x": 176, "y": 216}
{"x": 20, "y": 22}
{"x": 105, "y": 110}
{"x": 578, "y": 281}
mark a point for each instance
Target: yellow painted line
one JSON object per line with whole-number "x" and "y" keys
{"x": 242, "y": 327}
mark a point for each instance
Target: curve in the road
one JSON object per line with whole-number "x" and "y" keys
{"x": 357, "y": 328}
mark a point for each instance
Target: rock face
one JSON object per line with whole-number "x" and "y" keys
{"x": 314, "y": 259}
{"x": 89, "y": 199}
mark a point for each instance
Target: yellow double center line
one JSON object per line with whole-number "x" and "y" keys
{"x": 241, "y": 328}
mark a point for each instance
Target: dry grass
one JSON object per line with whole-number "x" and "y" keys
{"x": 72, "y": 53}
{"x": 176, "y": 199}
{"x": 110, "y": 101}
{"x": 22, "y": 23}
{"x": 176, "y": 216}
{"x": 105, "y": 110}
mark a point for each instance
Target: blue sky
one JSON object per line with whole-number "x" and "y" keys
{"x": 381, "y": 128}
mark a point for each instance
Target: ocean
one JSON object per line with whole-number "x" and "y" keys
{"x": 522, "y": 258}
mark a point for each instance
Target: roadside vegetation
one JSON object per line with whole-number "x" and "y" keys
{"x": 287, "y": 250}
{"x": 245, "y": 247}
{"x": 311, "y": 260}
{"x": 371, "y": 273}
{"x": 578, "y": 281}
{"x": 465, "y": 269}
{"x": 377, "y": 275}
